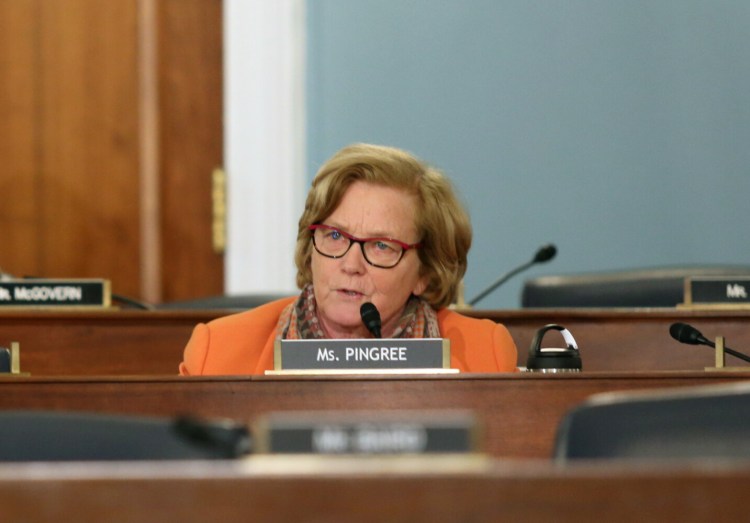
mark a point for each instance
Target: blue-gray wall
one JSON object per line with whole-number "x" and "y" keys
{"x": 619, "y": 130}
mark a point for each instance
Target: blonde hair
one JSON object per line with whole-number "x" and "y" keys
{"x": 442, "y": 223}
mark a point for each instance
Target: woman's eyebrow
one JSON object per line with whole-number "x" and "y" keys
{"x": 376, "y": 234}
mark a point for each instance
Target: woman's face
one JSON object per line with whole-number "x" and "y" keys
{"x": 343, "y": 284}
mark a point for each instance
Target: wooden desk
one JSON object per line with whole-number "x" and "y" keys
{"x": 338, "y": 491}
{"x": 151, "y": 342}
{"x": 112, "y": 342}
{"x": 630, "y": 339}
{"x": 519, "y": 412}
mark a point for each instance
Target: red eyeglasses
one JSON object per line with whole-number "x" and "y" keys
{"x": 384, "y": 253}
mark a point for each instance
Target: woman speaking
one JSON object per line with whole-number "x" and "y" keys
{"x": 380, "y": 227}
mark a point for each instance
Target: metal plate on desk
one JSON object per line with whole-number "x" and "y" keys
{"x": 358, "y": 354}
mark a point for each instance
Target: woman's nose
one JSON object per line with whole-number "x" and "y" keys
{"x": 354, "y": 260}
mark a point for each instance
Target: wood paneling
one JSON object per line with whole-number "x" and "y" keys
{"x": 78, "y": 142}
{"x": 100, "y": 343}
{"x": 191, "y": 138}
{"x": 147, "y": 343}
{"x": 343, "y": 490}
{"x": 19, "y": 244}
{"x": 88, "y": 141}
{"x": 519, "y": 412}
{"x": 629, "y": 339}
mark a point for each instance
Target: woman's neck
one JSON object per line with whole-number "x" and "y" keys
{"x": 336, "y": 334}
{"x": 360, "y": 331}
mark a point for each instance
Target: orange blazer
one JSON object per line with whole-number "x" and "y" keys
{"x": 243, "y": 343}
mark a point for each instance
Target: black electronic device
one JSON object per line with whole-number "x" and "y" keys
{"x": 5, "y": 365}
{"x": 549, "y": 359}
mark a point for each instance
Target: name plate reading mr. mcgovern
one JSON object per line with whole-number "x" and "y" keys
{"x": 63, "y": 293}
{"x": 341, "y": 355}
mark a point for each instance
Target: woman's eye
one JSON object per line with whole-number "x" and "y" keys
{"x": 383, "y": 246}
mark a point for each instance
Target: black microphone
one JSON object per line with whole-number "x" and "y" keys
{"x": 685, "y": 333}
{"x": 371, "y": 318}
{"x": 544, "y": 254}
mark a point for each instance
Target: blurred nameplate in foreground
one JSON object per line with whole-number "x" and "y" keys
{"x": 361, "y": 432}
{"x": 62, "y": 293}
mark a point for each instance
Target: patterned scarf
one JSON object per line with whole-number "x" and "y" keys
{"x": 299, "y": 319}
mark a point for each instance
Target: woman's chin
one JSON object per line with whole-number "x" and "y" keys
{"x": 345, "y": 323}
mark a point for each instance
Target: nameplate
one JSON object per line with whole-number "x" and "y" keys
{"x": 55, "y": 293}
{"x": 359, "y": 354}
{"x": 722, "y": 290}
{"x": 342, "y": 432}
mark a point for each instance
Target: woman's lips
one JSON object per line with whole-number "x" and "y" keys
{"x": 350, "y": 293}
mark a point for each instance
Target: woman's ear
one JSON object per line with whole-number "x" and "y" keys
{"x": 421, "y": 285}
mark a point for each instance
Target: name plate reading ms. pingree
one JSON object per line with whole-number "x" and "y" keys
{"x": 719, "y": 291}
{"x": 62, "y": 293}
{"x": 359, "y": 355}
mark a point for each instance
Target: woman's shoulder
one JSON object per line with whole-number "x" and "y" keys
{"x": 473, "y": 331}
{"x": 266, "y": 313}
{"x": 478, "y": 344}
{"x": 233, "y": 344}
{"x": 453, "y": 318}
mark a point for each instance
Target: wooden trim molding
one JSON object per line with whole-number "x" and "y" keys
{"x": 148, "y": 131}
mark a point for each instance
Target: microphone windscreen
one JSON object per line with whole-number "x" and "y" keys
{"x": 371, "y": 318}
{"x": 685, "y": 333}
{"x": 545, "y": 253}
